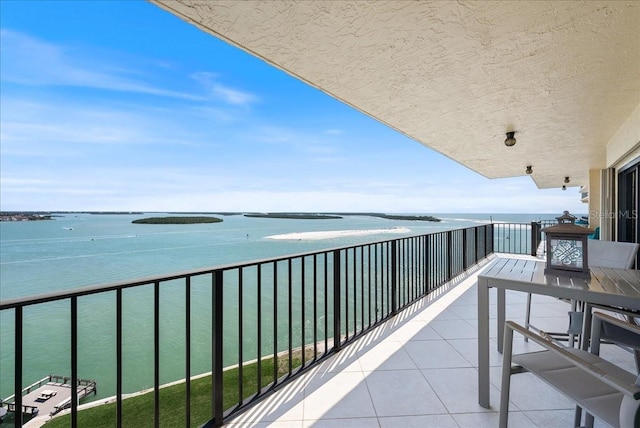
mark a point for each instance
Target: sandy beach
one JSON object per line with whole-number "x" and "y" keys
{"x": 330, "y": 234}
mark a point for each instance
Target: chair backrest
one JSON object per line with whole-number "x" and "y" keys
{"x": 612, "y": 254}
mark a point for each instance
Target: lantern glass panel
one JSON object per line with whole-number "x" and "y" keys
{"x": 566, "y": 253}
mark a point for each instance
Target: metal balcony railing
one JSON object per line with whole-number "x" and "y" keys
{"x": 518, "y": 238}
{"x": 293, "y": 310}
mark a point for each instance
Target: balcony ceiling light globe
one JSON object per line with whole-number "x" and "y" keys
{"x": 510, "y": 141}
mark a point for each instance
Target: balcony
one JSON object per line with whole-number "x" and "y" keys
{"x": 399, "y": 349}
{"x": 419, "y": 369}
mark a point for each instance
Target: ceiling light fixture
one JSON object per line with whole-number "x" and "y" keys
{"x": 564, "y": 187}
{"x": 566, "y": 180}
{"x": 529, "y": 170}
{"x": 510, "y": 141}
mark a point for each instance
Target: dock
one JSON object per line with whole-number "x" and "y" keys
{"x": 48, "y": 396}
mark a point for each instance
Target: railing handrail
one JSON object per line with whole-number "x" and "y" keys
{"x": 120, "y": 285}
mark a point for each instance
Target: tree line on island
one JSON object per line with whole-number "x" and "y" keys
{"x": 298, "y": 216}
{"x": 177, "y": 220}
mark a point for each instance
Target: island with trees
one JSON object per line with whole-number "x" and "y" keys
{"x": 177, "y": 220}
{"x": 297, "y": 216}
{"x": 407, "y": 217}
{"x": 24, "y": 216}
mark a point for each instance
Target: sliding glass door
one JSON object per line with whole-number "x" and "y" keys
{"x": 628, "y": 202}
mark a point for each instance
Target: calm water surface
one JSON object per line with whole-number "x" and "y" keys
{"x": 76, "y": 250}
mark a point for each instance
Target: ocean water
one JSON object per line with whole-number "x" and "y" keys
{"x": 77, "y": 250}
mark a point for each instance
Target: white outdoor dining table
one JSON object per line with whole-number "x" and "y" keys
{"x": 605, "y": 286}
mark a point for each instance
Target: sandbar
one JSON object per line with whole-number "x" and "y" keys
{"x": 330, "y": 234}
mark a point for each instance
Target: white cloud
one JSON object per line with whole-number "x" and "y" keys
{"x": 334, "y": 132}
{"x": 30, "y": 61}
{"x": 57, "y": 126}
{"x": 226, "y": 93}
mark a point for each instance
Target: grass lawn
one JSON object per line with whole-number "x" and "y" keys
{"x": 138, "y": 411}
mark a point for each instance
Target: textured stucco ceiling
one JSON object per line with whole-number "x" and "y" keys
{"x": 456, "y": 76}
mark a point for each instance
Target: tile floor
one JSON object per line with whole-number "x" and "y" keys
{"x": 420, "y": 370}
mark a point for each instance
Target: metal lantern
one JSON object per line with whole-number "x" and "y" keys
{"x": 567, "y": 247}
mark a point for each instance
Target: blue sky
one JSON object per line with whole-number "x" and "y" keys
{"x": 118, "y": 105}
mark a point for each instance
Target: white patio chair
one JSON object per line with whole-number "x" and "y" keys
{"x": 611, "y": 253}
{"x": 603, "y": 389}
{"x": 601, "y": 254}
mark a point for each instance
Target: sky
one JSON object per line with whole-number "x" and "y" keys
{"x": 121, "y": 106}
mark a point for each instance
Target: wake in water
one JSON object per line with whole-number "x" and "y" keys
{"x": 330, "y": 234}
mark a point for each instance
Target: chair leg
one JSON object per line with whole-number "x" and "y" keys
{"x": 588, "y": 421}
{"x": 577, "y": 419}
{"x": 585, "y": 337}
{"x": 527, "y": 317}
{"x": 572, "y": 322}
{"x": 506, "y": 377}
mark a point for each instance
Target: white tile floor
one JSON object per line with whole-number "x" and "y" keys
{"x": 420, "y": 370}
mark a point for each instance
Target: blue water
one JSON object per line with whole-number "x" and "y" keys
{"x": 76, "y": 250}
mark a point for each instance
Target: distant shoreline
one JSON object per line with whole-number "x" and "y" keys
{"x": 332, "y": 216}
{"x": 18, "y": 216}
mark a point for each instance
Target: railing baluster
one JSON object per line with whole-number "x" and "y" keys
{"x": 407, "y": 271}
{"x": 216, "y": 341}
{"x": 403, "y": 280}
{"x": 355, "y": 293}
{"x": 412, "y": 269}
{"x": 414, "y": 260}
{"x": 337, "y": 343}
{"x": 378, "y": 303}
{"x": 346, "y": 294}
{"x": 74, "y": 362}
{"x": 17, "y": 369}
{"x": 424, "y": 262}
{"x": 315, "y": 307}
{"x": 449, "y": 255}
{"x": 362, "y": 288}
{"x": 417, "y": 250}
{"x": 187, "y": 354}
{"x": 326, "y": 304}
{"x": 481, "y": 242}
{"x": 369, "y": 282}
{"x": 290, "y": 315}
{"x": 400, "y": 278}
{"x": 394, "y": 278}
{"x": 464, "y": 249}
{"x": 156, "y": 353}
{"x": 385, "y": 277}
{"x": 404, "y": 276}
{"x": 275, "y": 323}
{"x": 442, "y": 261}
{"x": 302, "y": 310}
{"x": 420, "y": 266}
{"x": 119, "y": 358}
{"x": 240, "y": 339}
{"x": 427, "y": 271}
{"x": 259, "y": 328}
